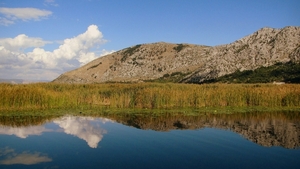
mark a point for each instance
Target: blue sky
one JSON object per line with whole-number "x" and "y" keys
{"x": 40, "y": 39}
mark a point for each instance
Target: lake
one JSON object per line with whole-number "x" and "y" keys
{"x": 143, "y": 140}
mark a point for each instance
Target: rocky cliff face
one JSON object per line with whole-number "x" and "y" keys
{"x": 198, "y": 63}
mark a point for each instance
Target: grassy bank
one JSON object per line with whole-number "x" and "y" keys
{"x": 153, "y": 120}
{"x": 148, "y": 96}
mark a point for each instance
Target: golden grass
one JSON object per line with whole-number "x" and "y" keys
{"x": 147, "y": 96}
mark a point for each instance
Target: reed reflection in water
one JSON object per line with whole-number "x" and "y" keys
{"x": 267, "y": 129}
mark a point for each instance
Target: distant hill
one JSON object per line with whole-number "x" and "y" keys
{"x": 19, "y": 81}
{"x": 189, "y": 63}
{"x": 13, "y": 81}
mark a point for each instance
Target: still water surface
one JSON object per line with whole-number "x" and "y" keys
{"x": 138, "y": 141}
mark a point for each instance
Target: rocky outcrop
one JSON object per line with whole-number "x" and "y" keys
{"x": 198, "y": 63}
{"x": 263, "y": 48}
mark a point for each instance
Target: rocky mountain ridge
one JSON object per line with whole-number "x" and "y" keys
{"x": 196, "y": 63}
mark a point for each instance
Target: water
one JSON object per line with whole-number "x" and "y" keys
{"x": 161, "y": 141}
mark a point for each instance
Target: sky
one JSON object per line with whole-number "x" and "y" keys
{"x": 41, "y": 39}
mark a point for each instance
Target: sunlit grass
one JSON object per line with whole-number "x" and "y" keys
{"x": 148, "y": 96}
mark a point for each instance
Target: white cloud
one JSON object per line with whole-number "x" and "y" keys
{"x": 72, "y": 53}
{"x": 106, "y": 52}
{"x": 82, "y": 128}
{"x": 5, "y": 21}
{"x": 84, "y": 58}
{"x": 13, "y": 14}
{"x": 26, "y": 158}
{"x": 21, "y": 42}
{"x": 79, "y": 44}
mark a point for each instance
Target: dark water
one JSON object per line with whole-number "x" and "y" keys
{"x": 268, "y": 140}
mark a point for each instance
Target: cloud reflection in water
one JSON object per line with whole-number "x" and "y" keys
{"x": 26, "y": 158}
{"x": 23, "y": 132}
{"x": 82, "y": 128}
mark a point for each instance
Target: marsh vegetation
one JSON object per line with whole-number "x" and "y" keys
{"x": 148, "y": 96}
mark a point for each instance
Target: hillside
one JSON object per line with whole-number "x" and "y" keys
{"x": 191, "y": 63}
{"x": 280, "y": 72}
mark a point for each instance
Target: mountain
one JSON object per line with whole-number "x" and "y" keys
{"x": 191, "y": 63}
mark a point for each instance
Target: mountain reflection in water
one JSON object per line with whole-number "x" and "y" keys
{"x": 266, "y": 129}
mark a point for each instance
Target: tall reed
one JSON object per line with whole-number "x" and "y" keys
{"x": 147, "y": 95}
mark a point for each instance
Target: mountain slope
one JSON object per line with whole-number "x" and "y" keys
{"x": 280, "y": 72}
{"x": 194, "y": 63}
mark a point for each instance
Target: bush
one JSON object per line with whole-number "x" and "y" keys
{"x": 179, "y": 47}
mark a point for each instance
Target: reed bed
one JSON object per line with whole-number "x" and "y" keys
{"x": 147, "y": 96}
